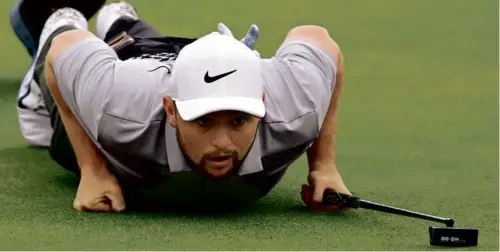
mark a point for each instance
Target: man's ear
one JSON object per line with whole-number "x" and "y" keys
{"x": 169, "y": 106}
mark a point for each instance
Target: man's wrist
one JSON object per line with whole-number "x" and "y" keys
{"x": 323, "y": 166}
{"x": 95, "y": 170}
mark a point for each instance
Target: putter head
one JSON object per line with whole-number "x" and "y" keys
{"x": 448, "y": 236}
{"x": 335, "y": 198}
{"x": 453, "y": 236}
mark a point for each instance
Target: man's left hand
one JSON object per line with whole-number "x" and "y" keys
{"x": 320, "y": 179}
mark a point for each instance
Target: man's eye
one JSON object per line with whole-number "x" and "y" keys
{"x": 240, "y": 120}
{"x": 203, "y": 121}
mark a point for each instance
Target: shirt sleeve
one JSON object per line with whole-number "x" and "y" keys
{"x": 312, "y": 71}
{"x": 299, "y": 86}
{"x": 84, "y": 74}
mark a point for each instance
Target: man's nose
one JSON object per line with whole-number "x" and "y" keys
{"x": 221, "y": 139}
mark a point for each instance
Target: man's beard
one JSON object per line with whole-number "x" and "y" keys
{"x": 236, "y": 164}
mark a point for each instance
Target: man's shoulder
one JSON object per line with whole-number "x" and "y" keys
{"x": 137, "y": 89}
{"x": 291, "y": 110}
{"x": 298, "y": 90}
{"x": 281, "y": 137}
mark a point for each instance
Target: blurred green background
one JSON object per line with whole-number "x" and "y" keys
{"x": 418, "y": 129}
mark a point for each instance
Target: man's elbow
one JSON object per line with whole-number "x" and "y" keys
{"x": 318, "y": 35}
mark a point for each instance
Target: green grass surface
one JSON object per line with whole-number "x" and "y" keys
{"x": 418, "y": 129}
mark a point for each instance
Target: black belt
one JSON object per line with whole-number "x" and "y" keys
{"x": 127, "y": 46}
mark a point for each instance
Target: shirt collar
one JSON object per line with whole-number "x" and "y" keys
{"x": 177, "y": 161}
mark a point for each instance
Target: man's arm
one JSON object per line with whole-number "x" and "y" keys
{"x": 323, "y": 172}
{"x": 322, "y": 152}
{"x": 88, "y": 156}
{"x": 79, "y": 77}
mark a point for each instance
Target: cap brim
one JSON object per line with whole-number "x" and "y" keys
{"x": 192, "y": 109}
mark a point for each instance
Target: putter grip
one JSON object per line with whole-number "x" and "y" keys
{"x": 332, "y": 197}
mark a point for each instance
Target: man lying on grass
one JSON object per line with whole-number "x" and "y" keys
{"x": 206, "y": 118}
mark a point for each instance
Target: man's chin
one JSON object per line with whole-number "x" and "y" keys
{"x": 218, "y": 173}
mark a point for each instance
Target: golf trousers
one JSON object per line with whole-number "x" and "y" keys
{"x": 148, "y": 41}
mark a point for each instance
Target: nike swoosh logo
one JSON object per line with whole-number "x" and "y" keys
{"x": 210, "y": 79}
{"x": 168, "y": 69}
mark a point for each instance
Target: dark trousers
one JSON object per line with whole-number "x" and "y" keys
{"x": 148, "y": 41}
{"x": 32, "y": 14}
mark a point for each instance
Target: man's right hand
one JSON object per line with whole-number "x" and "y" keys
{"x": 99, "y": 192}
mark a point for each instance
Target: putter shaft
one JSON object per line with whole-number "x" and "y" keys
{"x": 399, "y": 211}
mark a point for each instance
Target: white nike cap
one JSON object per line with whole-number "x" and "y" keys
{"x": 216, "y": 73}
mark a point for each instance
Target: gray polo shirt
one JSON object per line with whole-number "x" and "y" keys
{"x": 119, "y": 104}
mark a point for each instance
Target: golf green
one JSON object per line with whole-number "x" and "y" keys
{"x": 418, "y": 129}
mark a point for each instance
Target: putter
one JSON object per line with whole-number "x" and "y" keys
{"x": 448, "y": 236}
